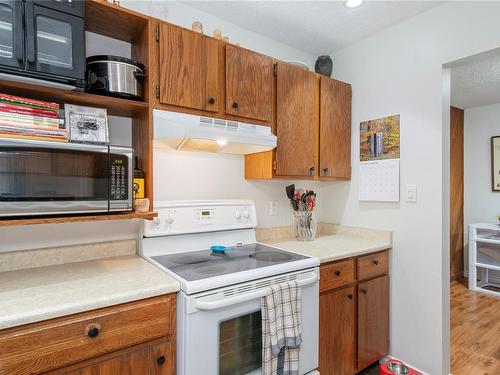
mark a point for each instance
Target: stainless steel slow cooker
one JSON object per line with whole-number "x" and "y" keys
{"x": 115, "y": 76}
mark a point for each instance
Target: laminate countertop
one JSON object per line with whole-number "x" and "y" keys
{"x": 328, "y": 248}
{"x": 36, "y": 294}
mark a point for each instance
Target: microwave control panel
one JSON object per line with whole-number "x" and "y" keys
{"x": 119, "y": 178}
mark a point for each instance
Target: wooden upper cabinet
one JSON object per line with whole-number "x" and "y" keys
{"x": 249, "y": 80}
{"x": 189, "y": 69}
{"x": 337, "y": 324}
{"x": 373, "y": 321}
{"x": 335, "y": 129}
{"x": 297, "y": 121}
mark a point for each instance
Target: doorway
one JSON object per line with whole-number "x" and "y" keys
{"x": 474, "y": 204}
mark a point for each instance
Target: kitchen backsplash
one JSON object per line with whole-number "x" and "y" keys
{"x": 18, "y": 260}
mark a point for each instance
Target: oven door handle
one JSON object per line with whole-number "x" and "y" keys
{"x": 213, "y": 305}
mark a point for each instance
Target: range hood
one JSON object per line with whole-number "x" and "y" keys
{"x": 181, "y": 131}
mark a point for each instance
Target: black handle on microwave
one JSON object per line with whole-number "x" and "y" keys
{"x": 30, "y": 32}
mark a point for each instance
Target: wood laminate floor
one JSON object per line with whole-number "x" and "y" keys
{"x": 475, "y": 331}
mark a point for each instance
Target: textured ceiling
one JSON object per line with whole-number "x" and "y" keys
{"x": 317, "y": 27}
{"x": 476, "y": 83}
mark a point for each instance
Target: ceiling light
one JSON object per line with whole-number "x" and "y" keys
{"x": 221, "y": 142}
{"x": 353, "y": 3}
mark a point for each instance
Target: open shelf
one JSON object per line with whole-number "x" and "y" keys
{"x": 114, "y": 21}
{"x": 80, "y": 218}
{"x": 115, "y": 106}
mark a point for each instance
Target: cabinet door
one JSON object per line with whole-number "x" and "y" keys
{"x": 11, "y": 33}
{"x": 189, "y": 64}
{"x": 297, "y": 121}
{"x": 337, "y": 332}
{"x": 373, "y": 321}
{"x": 335, "y": 129}
{"x": 249, "y": 79}
{"x": 151, "y": 360}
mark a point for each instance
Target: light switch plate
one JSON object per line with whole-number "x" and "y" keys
{"x": 273, "y": 208}
{"x": 411, "y": 193}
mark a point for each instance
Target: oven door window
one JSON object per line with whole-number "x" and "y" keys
{"x": 240, "y": 344}
{"x": 52, "y": 175}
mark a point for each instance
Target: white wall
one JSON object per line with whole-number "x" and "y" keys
{"x": 481, "y": 204}
{"x": 183, "y": 15}
{"x": 400, "y": 70}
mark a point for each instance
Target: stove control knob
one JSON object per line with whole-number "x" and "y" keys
{"x": 237, "y": 214}
{"x": 156, "y": 222}
{"x": 246, "y": 214}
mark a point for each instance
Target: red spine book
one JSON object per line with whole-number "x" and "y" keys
{"x": 12, "y": 108}
{"x": 28, "y": 102}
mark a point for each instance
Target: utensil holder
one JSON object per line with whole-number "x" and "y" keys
{"x": 305, "y": 225}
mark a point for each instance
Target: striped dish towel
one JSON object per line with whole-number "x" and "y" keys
{"x": 281, "y": 329}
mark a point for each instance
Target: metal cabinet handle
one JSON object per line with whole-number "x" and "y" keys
{"x": 349, "y": 296}
{"x": 93, "y": 332}
{"x": 211, "y": 101}
{"x": 364, "y": 290}
{"x": 376, "y": 262}
{"x": 337, "y": 272}
{"x": 325, "y": 171}
{"x": 160, "y": 360}
{"x": 311, "y": 169}
{"x": 235, "y": 105}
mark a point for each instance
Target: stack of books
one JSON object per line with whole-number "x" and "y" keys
{"x": 31, "y": 119}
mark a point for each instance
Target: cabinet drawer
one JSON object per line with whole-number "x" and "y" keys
{"x": 47, "y": 345}
{"x": 335, "y": 275}
{"x": 373, "y": 265}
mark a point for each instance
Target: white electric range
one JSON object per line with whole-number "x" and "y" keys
{"x": 218, "y": 307}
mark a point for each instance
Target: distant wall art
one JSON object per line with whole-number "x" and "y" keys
{"x": 495, "y": 163}
{"x": 379, "y": 149}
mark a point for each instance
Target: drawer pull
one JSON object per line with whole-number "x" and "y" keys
{"x": 160, "y": 360}
{"x": 93, "y": 332}
{"x": 364, "y": 290}
{"x": 349, "y": 296}
{"x": 375, "y": 262}
{"x": 211, "y": 101}
{"x": 337, "y": 272}
{"x": 235, "y": 105}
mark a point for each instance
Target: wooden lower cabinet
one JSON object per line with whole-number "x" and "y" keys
{"x": 373, "y": 321}
{"x": 353, "y": 313}
{"x": 155, "y": 359}
{"x": 337, "y": 332}
{"x": 120, "y": 339}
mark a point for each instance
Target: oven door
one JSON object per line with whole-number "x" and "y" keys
{"x": 220, "y": 332}
{"x": 40, "y": 178}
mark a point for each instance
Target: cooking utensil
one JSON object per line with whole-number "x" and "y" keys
{"x": 290, "y": 191}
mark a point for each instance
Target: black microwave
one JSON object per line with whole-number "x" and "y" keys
{"x": 49, "y": 178}
{"x": 43, "y": 40}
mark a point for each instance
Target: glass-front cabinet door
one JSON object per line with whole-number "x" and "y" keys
{"x": 55, "y": 42}
{"x": 11, "y": 33}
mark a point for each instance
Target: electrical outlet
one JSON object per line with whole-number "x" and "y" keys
{"x": 273, "y": 208}
{"x": 411, "y": 193}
